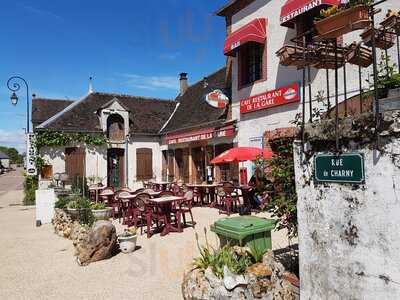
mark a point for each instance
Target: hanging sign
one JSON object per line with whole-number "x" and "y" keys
{"x": 281, "y": 96}
{"x": 30, "y": 155}
{"x": 217, "y": 99}
{"x": 342, "y": 168}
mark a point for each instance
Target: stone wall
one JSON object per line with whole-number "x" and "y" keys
{"x": 349, "y": 241}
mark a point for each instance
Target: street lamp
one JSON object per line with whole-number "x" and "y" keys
{"x": 14, "y": 85}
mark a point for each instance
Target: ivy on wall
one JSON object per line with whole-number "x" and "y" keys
{"x": 60, "y": 139}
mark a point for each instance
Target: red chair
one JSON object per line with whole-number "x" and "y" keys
{"x": 121, "y": 206}
{"x": 229, "y": 198}
{"x": 106, "y": 195}
{"x": 185, "y": 206}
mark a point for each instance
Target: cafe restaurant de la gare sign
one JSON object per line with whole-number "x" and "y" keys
{"x": 280, "y": 96}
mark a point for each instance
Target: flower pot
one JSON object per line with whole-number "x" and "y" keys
{"x": 383, "y": 40}
{"x": 102, "y": 214}
{"x": 326, "y": 57}
{"x": 73, "y": 212}
{"x": 358, "y": 55}
{"x": 294, "y": 56}
{"x": 127, "y": 244}
{"x": 345, "y": 21}
{"x": 392, "y": 22}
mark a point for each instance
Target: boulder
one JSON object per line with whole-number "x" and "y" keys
{"x": 98, "y": 244}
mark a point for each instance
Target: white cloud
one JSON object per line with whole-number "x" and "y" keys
{"x": 152, "y": 82}
{"x": 40, "y": 12}
{"x": 13, "y": 138}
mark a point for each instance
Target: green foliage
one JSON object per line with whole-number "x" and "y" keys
{"x": 59, "y": 139}
{"x": 15, "y": 157}
{"x": 283, "y": 203}
{"x": 97, "y": 206}
{"x": 256, "y": 253}
{"x": 333, "y": 10}
{"x": 62, "y": 202}
{"x": 84, "y": 206}
{"x": 216, "y": 259}
{"x": 30, "y": 186}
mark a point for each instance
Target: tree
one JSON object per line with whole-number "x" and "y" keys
{"x": 15, "y": 157}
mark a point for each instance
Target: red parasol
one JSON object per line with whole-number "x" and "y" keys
{"x": 241, "y": 154}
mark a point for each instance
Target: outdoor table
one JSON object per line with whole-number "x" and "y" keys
{"x": 96, "y": 189}
{"x": 107, "y": 194}
{"x": 161, "y": 185}
{"x": 126, "y": 198}
{"x": 165, "y": 205}
{"x": 153, "y": 194}
{"x": 202, "y": 191}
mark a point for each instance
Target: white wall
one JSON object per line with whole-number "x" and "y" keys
{"x": 252, "y": 125}
{"x": 54, "y": 156}
{"x": 349, "y": 236}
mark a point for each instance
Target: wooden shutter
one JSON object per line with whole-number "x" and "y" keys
{"x": 75, "y": 162}
{"x": 144, "y": 164}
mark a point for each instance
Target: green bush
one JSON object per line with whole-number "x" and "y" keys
{"x": 62, "y": 202}
{"x": 84, "y": 206}
{"x": 31, "y": 184}
{"x": 97, "y": 206}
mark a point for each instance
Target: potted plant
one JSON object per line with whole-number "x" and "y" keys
{"x": 127, "y": 240}
{"x": 383, "y": 39}
{"x": 100, "y": 211}
{"x": 79, "y": 208}
{"x": 326, "y": 57}
{"x": 294, "y": 56}
{"x": 358, "y": 55}
{"x": 336, "y": 21}
{"x": 392, "y": 21}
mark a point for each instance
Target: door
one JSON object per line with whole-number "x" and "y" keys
{"x": 75, "y": 162}
{"x": 115, "y": 167}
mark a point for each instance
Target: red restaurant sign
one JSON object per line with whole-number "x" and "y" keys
{"x": 200, "y": 135}
{"x": 281, "y": 96}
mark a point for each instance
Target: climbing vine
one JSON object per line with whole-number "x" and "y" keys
{"x": 280, "y": 170}
{"x": 59, "y": 139}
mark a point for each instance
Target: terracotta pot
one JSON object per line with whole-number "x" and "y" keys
{"x": 359, "y": 56}
{"x": 383, "y": 40}
{"x": 294, "y": 56}
{"x": 392, "y": 22}
{"x": 346, "y": 21}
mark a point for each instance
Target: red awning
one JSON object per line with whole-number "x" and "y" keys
{"x": 241, "y": 154}
{"x": 294, "y": 8}
{"x": 255, "y": 31}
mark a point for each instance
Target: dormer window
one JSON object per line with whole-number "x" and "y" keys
{"x": 115, "y": 128}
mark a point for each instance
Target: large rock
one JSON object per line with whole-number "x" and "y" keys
{"x": 98, "y": 244}
{"x": 267, "y": 281}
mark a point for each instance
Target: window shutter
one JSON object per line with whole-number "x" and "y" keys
{"x": 144, "y": 164}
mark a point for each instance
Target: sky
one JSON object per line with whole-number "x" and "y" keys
{"x": 128, "y": 46}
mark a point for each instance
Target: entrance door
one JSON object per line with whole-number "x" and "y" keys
{"x": 115, "y": 167}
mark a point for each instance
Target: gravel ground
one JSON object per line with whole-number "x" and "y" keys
{"x": 38, "y": 264}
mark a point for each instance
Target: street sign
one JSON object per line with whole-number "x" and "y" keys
{"x": 30, "y": 155}
{"x": 340, "y": 168}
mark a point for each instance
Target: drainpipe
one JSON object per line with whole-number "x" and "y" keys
{"x": 126, "y": 160}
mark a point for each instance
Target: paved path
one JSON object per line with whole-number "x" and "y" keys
{"x": 12, "y": 181}
{"x": 35, "y": 263}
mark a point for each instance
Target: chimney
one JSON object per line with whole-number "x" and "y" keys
{"x": 90, "y": 86}
{"x": 183, "y": 83}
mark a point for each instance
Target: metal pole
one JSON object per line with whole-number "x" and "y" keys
{"x": 398, "y": 52}
{"x": 336, "y": 98}
{"x": 309, "y": 93}
{"x": 386, "y": 52}
{"x": 377, "y": 121}
{"x": 14, "y": 87}
{"x": 304, "y": 96}
{"x": 328, "y": 93}
{"x": 126, "y": 160}
{"x": 360, "y": 87}
{"x": 345, "y": 87}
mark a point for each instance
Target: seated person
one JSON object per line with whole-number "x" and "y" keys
{"x": 257, "y": 194}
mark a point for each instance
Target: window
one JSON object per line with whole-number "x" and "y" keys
{"x": 115, "y": 128}
{"x": 250, "y": 63}
{"x": 144, "y": 164}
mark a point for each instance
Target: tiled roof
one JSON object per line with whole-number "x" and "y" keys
{"x": 44, "y": 109}
{"x": 148, "y": 115}
{"x": 193, "y": 111}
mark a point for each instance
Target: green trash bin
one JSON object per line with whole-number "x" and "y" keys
{"x": 249, "y": 231}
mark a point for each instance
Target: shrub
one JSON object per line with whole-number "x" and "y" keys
{"x": 97, "y": 206}
{"x": 84, "y": 206}
{"x": 30, "y": 186}
{"x": 62, "y": 202}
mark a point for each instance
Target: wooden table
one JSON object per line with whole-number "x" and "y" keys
{"x": 202, "y": 191}
{"x": 165, "y": 205}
